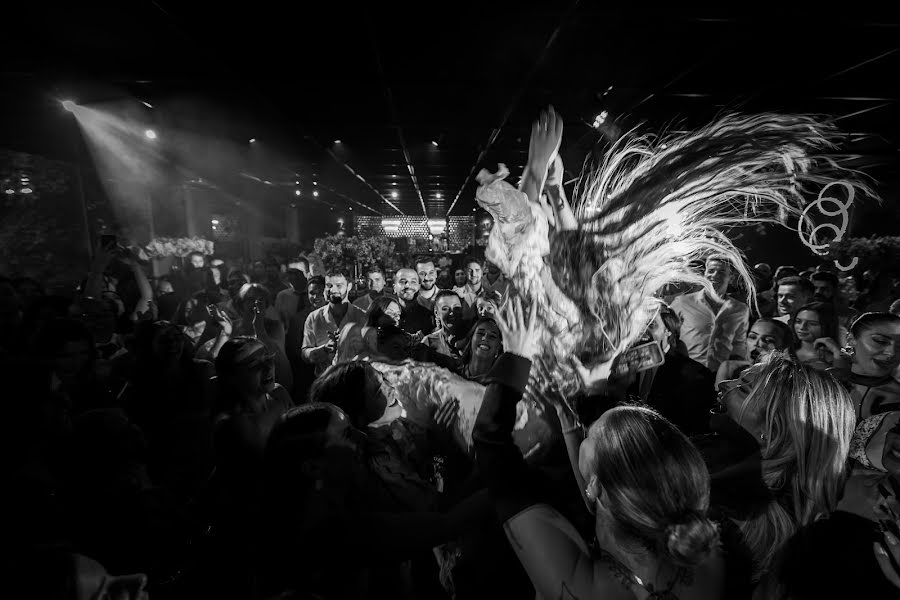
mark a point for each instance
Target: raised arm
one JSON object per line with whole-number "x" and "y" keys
{"x": 546, "y": 136}
{"x": 555, "y": 557}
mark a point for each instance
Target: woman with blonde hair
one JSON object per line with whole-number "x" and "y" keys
{"x": 646, "y": 484}
{"x": 777, "y": 457}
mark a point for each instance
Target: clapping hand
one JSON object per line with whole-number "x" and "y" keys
{"x": 520, "y": 335}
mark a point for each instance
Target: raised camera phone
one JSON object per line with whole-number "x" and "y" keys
{"x": 640, "y": 358}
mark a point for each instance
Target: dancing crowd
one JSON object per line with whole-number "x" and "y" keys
{"x": 223, "y": 433}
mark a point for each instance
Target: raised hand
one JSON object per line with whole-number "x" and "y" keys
{"x": 546, "y": 137}
{"x": 520, "y": 335}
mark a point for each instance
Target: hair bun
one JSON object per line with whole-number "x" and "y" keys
{"x": 691, "y": 541}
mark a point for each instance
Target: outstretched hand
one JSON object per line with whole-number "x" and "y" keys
{"x": 520, "y": 335}
{"x": 546, "y": 137}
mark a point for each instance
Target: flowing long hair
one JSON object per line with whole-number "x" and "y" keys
{"x": 654, "y": 205}
{"x": 808, "y": 421}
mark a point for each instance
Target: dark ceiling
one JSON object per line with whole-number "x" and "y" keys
{"x": 387, "y": 82}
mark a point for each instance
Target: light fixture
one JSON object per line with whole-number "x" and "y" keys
{"x": 68, "y": 105}
{"x": 151, "y": 135}
{"x": 147, "y": 104}
{"x": 393, "y": 183}
{"x": 10, "y": 191}
{"x": 337, "y": 141}
{"x": 215, "y": 221}
{"x": 296, "y": 192}
{"x": 252, "y": 140}
{"x": 434, "y": 143}
{"x": 267, "y": 182}
{"x": 296, "y": 183}
{"x": 316, "y": 193}
{"x": 600, "y": 119}
{"x": 25, "y": 190}
{"x": 315, "y": 183}
{"x": 437, "y": 226}
{"x": 438, "y": 196}
{"x": 350, "y": 208}
{"x": 394, "y": 194}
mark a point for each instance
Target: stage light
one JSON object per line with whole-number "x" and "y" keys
{"x": 315, "y": 183}
{"x": 475, "y": 209}
{"x": 10, "y": 191}
{"x": 267, "y": 182}
{"x": 147, "y": 104}
{"x": 350, "y": 208}
{"x": 215, "y": 221}
{"x": 337, "y": 141}
{"x": 25, "y": 190}
{"x": 434, "y": 143}
{"x": 297, "y": 182}
{"x": 393, "y": 183}
{"x": 68, "y": 105}
{"x": 394, "y": 194}
{"x": 151, "y": 135}
{"x": 316, "y": 194}
{"x": 296, "y": 192}
{"x": 438, "y": 196}
{"x": 252, "y": 140}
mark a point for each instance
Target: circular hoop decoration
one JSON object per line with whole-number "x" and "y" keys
{"x": 828, "y": 206}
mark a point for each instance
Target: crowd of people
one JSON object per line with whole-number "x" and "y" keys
{"x": 224, "y": 433}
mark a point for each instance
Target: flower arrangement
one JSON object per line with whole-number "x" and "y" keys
{"x": 355, "y": 254}
{"x": 180, "y": 247}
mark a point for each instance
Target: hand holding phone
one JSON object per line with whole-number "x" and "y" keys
{"x": 640, "y": 358}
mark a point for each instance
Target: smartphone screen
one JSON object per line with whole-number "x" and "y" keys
{"x": 640, "y": 358}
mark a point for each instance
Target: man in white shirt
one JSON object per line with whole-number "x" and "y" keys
{"x": 472, "y": 288}
{"x": 792, "y": 293}
{"x": 323, "y": 324}
{"x": 427, "y": 279}
{"x": 713, "y": 329}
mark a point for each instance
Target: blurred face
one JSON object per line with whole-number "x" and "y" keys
{"x": 394, "y": 312}
{"x": 197, "y": 261}
{"x": 447, "y": 312}
{"x": 336, "y": 289}
{"x": 718, "y": 273}
{"x": 484, "y": 307}
{"x": 382, "y": 401}
{"x": 406, "y": 285}
{"x": 763, "y": 338}
{"x": 824, "y": 290}
{"x": 376, "y": 281}
{"x": 72, "y": 359}
{"x": 427, "y": 275}
{"x": 877, "y": 350}
{"x": 256, "y": 375}
{"x": 459, "y": 277}
{"x": 316, "y": 294}
{"x": 807, "y": 326}
{"x": 658, "y": 332}
{"x": 473, "y": 273}
{"x": 486, "y": 341}
{"x": 732, "y": 398}
{"x": 790, "y": 297}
